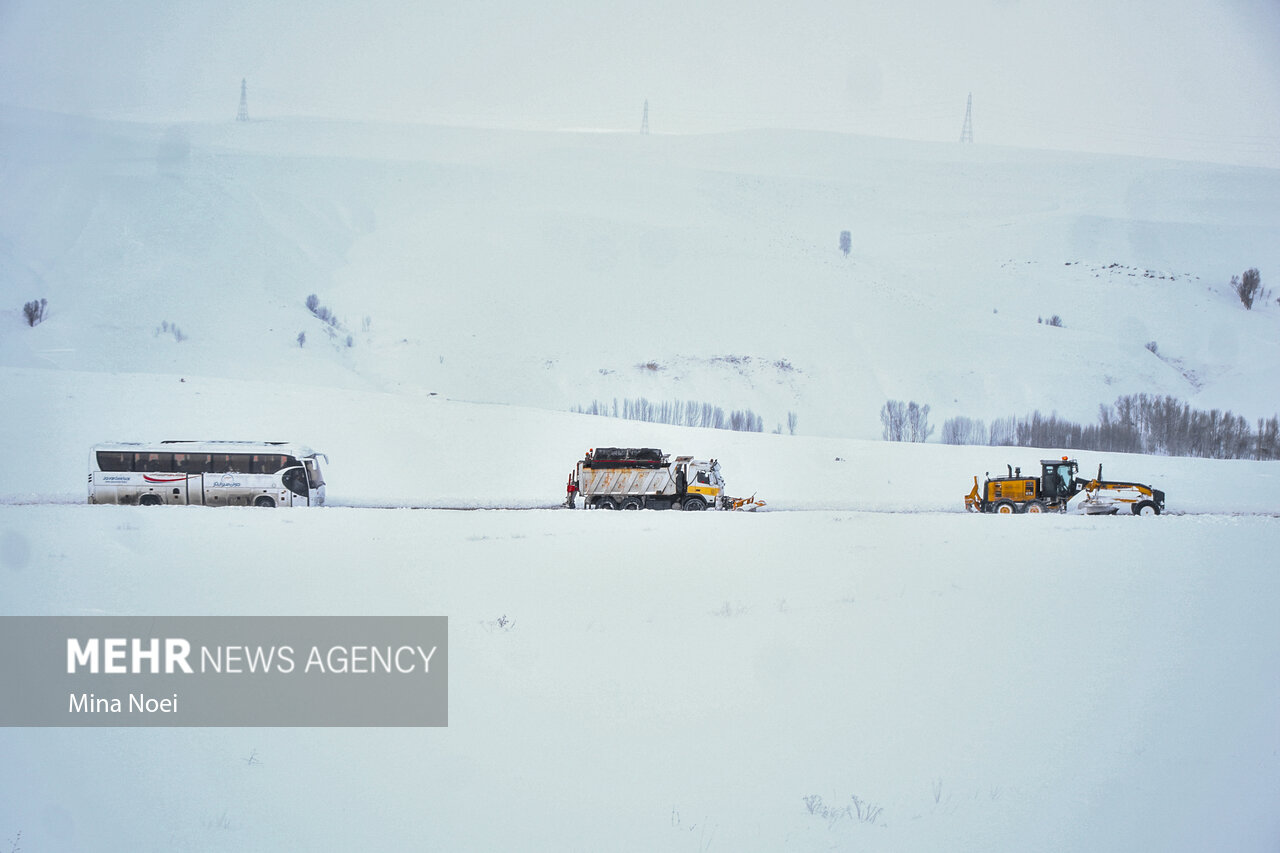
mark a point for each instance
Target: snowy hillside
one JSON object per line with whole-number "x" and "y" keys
{"x": 550, "y": 270}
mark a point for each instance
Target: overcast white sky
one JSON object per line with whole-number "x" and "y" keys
{"x": 1175, "y": 78}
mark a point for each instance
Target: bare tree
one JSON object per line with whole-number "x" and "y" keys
{"x": 893, "y": 416}
{"x": 962, "y": 430}
{"x": 1248, "y": 287}
{"x": 34, "y": 311}
{"x": 918, "y": 428}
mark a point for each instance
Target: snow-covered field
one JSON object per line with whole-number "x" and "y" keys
{"x": 859, "y": 666}
{"x": 881, "y": 671}
{"x": 665, "y": 681}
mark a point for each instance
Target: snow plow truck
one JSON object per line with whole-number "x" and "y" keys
{"x": 1054, "y": 489}
{"x": 646, "y": 478}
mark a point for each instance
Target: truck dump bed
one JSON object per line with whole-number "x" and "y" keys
{"x": 627, "y": 481}
{"x": 624, "y": 457}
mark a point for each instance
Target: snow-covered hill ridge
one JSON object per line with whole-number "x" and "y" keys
{"x": 549, "y": 270}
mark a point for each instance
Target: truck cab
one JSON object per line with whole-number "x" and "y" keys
{"x": 700, "y": 480}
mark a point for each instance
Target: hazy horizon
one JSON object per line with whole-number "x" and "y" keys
{"x": 1198, "y": 82}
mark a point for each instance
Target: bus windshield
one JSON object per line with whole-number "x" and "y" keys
{"x": 313, "y": 472}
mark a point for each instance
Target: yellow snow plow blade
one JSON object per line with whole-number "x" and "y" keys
{"x": 750, "y": 504}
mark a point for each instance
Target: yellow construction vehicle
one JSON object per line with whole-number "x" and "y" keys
{"x": 1054, "y": 489}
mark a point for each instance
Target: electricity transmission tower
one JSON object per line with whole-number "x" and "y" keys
{"x": 966, "y": 134}
{"x": 644, "y": 122}
{"x": 243, "y": 113}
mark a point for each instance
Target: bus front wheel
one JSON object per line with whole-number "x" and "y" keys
{"x": 264, "y": 501}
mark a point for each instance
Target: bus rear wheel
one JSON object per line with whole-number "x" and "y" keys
{"x": 149, "y": 500}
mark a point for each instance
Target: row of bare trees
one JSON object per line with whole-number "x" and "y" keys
{"x": 1135, "y": 423}
{"x": 677, "y": 412}
{"x": 905, "y": 421}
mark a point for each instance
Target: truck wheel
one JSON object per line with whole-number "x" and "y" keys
{"x": 607, "y": 503}
{"x": 1145, "y": 508}
{"x": 1035, "y": 506}
{"x": 1005, "y": 508}
{"x": 694, "y": 504}
{"x": 631, "y": 503}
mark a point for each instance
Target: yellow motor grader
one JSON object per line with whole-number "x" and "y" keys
{"x": 1054, "y": 489}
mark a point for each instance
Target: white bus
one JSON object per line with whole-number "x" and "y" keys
{"x": 209, "y": 473}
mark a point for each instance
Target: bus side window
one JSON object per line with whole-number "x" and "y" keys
{"x": 266, "y": 463}
{"x": 191, "y": 463}
{"x": 219, "y": 463}
{"x": 114, "y": 461}
{"x": 153, "y": 462}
